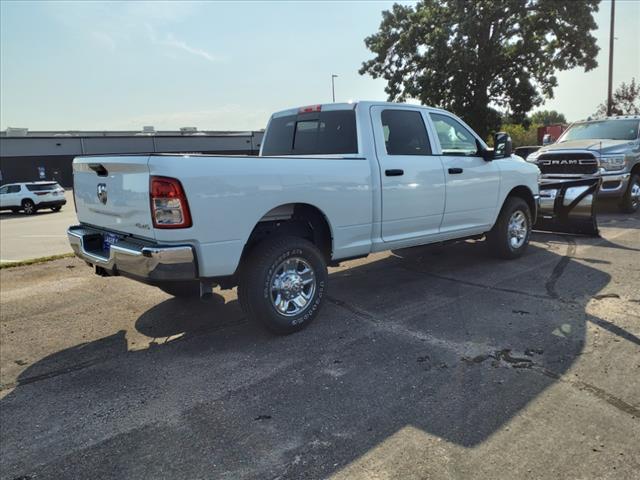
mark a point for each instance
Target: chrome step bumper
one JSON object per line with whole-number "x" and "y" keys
{"x": 133, "y": 257}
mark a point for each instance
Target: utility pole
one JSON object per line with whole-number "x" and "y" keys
{"x": 333, "y": 86}
{"x": 611, "y": 38}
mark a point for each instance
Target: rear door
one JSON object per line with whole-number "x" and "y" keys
{"x": 472, "y": 183}
{"x": 113, "y": 193}
{"x": 413, "y": 184}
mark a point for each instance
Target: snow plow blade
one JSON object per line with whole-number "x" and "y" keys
{"x": 568, "y": 206}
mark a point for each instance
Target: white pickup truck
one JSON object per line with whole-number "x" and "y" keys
{"x": 332, "y": 182}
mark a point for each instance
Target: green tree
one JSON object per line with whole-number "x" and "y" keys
{"x": 521, "y": 136}
{"x": 547, "y": 117}
{"x": 467, "y": 55}
{"x": 624, "y": 101}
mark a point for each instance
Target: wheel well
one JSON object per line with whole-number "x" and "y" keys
{"x": 525, "y": 194}
{"x": 298, "y": 219}
{"x": 25, "y": 200}
{"x": 636, "y": 169}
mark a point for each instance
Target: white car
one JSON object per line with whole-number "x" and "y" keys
{"x": 31, "y": 197}
{"x": 332, "y": 182}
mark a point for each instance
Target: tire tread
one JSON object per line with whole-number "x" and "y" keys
{"x": 251, "y": 284}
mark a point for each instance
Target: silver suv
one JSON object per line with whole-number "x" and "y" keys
{"x": 608, "y": 148}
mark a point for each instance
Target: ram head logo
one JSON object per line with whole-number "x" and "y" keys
{"x": 102, "y": 193}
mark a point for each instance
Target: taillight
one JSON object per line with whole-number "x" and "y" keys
{"x": 169, "y": 207}
{"x": 41, "y": 193}
{"x": 310, "y": 108}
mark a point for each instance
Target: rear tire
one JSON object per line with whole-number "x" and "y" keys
{"x": 28, "y": 207}
{"x": 631, "y": 198}
{"x": 509, "y": 237}
{"x": 185, "y": 289}
{"x": 56, "y": 209}
{"x": 282, "y": 283}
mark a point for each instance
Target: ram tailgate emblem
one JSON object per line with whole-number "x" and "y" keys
{"x": 102, "y": 193}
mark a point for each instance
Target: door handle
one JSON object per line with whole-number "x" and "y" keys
{"x": 394, "y": 172}
{"x": 455, "y": 171}
{"x": 99, "y": 169}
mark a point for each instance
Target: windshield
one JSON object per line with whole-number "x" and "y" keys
{"x": 603, "y": 130}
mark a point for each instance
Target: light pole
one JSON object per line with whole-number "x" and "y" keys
{"x": 611, "y": 38}
{"x": 333, "y": 86}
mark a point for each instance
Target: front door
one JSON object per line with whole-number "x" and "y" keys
{"x": 9, "y": 196}
{"x": 412, "y": 178}
{"x": 473, "y": 183}
{"x": 4, "y": 196}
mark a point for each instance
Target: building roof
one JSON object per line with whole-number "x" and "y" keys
{"x": 186, "y": 132}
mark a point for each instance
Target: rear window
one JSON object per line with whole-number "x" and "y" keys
{"x": 39, "y": 187}
{"x": 316, "y": 133}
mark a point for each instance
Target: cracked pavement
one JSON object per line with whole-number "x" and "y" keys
{"x": 429, "y": 362}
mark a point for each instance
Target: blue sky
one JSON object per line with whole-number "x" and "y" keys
{"x": 218, "y": 65}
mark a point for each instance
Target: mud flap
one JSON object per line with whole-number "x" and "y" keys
{"x": 568, "y": 206}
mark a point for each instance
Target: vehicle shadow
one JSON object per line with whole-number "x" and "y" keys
{"x": 442, "y": 339}
{"x": 9, "y": 215}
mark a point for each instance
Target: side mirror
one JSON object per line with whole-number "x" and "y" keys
{"x": 502, "y": 145}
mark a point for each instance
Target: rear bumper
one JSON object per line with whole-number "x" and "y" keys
{"x": 145, "y": 261}
{"x": 51, "y": 203}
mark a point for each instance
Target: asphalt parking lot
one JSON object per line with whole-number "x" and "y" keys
{"x": 430, "y": 362}
{"x": 23, "y": 237}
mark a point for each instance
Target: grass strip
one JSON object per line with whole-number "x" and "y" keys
{"x": 35, "y": 261}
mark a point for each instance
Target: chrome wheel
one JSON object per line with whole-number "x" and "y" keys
{"x": 29, "y": 208}
{"x": 292, "y": 286}
{"x": 517, "y": 229}
{"x": 635, "y": 194}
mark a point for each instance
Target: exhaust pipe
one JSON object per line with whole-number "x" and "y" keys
{"x": 206, "y": 290}
{"x": 568, "y": 206}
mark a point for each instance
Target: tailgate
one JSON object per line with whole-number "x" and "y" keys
{"x": 113, "y": 193}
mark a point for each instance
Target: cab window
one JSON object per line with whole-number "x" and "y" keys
{"x": 454, "y": 138}
{"x": 324, "y": 133}
{"x": 13, "y": 189}
{"x": 405, "y": 133}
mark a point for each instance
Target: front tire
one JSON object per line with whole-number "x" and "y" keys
{"x": 28, "y": 207}
{"x": 631, "y": 199}
{"x": 282, "y": 284}
{"x": 509, "y": 237}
